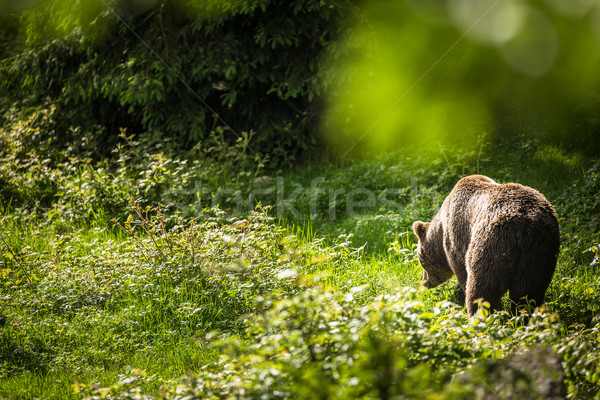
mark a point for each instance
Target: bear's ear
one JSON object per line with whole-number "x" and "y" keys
{"x": 420, "y": 229}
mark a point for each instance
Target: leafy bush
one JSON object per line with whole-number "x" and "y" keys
{"x": 328, "y": 345}
{"x": 69, "y": 186}
{"x": 181, "y": 68}
{"x": 26, "y": 173}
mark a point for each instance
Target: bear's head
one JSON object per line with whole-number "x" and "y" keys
{"x": 431, "y": 254}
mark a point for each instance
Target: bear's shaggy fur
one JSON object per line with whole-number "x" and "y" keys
{"x": 494, "y": 238}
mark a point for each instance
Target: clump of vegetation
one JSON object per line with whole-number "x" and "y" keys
{"x": 123, "y": 275}
{"x": 332, "y": 345}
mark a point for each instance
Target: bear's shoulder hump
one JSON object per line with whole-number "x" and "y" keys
{"x": 475, "y": 181}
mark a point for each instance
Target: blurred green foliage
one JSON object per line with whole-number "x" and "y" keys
{"x": 425, "y": 73}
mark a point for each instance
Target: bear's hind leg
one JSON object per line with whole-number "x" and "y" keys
{"x": 488, "y": 263}
{"x": 479, "y": 288}
{"x": 532, "y": 278}
{"x": 521, "y": 296}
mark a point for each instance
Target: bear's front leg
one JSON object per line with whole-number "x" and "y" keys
{"x": 456, "y": 261}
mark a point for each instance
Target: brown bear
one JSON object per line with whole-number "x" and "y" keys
{"x": 494, "y": 238}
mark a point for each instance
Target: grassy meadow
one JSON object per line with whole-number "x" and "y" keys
{"x": 208, "y": 275}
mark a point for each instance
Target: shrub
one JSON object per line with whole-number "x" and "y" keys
{"x": 179, "y": 67}
{"x": 322, "y": 344}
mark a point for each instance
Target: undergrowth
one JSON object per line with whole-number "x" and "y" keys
{"x": 209, "y": 275}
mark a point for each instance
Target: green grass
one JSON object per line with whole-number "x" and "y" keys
{"x": 188, "y": 299}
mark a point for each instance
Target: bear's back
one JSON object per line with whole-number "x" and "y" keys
{"x": 479, "y": 205}
{"x": 515, "y": 203}
{"x": 477, "y": 197}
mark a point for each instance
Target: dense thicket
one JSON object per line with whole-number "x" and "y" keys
{"x": 177, "y": 68}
